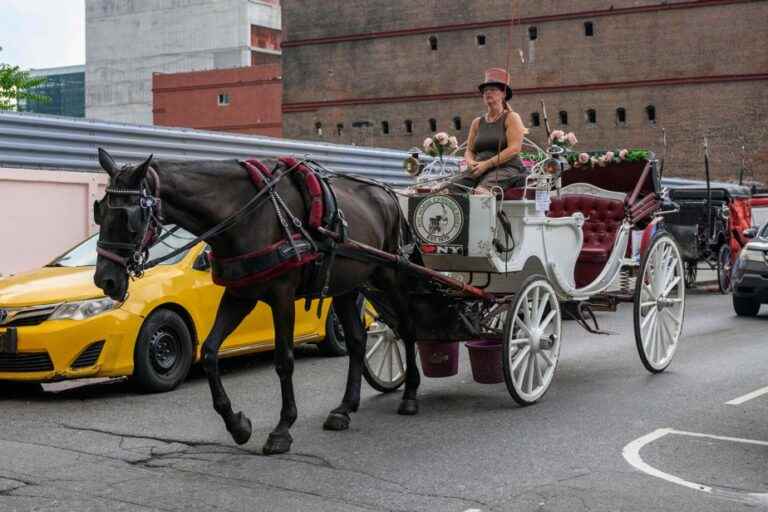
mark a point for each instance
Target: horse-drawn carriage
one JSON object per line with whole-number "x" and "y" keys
{"x": 480, "y": 267}
{"x": 708, "y": 226}
{"x": 560, "y": 242}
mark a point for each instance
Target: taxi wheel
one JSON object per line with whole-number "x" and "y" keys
{"x": 163, "y": 353}
{"x": 334, "y": 344}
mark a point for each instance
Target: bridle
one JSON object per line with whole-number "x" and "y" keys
{"x": 143, "y": 218}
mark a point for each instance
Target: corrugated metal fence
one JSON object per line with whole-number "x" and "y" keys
{"x": 38, "y": 141}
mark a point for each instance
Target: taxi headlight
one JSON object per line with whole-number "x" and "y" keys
{"x": 754, "y": 255}
{"x": 84, "y": 309}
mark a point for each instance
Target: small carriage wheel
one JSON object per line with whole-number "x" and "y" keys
{"x": 659, "y": 303}
{"x": 724, "y": 268}
{"x": 532, "y": 334}
{"x": 691, "y": 271}
{"x": 384, "y": 358}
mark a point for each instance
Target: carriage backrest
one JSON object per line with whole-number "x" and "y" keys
{"x": 620, "y": 177}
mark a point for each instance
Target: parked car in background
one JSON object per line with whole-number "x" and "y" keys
{"x": 750, "y": 273}
{"x": 56, "y": 324}
{"x": 759, "y": 204}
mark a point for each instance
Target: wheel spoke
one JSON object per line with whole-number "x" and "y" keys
{"x": 519, "y": 341}
{"x": 383, "y": 363}
{"x": 669, "y": 287}
{"x": 521, "y": 374}
{"x": 548, "y": 319}
{"x": 400, "y": 364}
{"x": 519, "y": 356}
{"x": 531, "y": 358}
{"x": 550, "y": 361}
{"x": 539, "y": 376}
{"x": 673, "y": 317}
{"x": 651, "y": 314}
{"x": 374, "y": 348}
{"x": 542, "y": 306}
{"x": 522, "y": 324}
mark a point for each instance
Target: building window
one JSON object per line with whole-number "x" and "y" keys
{"x": 457, "y": 123}
{"x": 433, "y": 42}
{"x": 339, "y": 129}
{"x": 591, "y": 116}
{"x": 589, "y": 29}
{"x": 481, "y": 40}
{"x": 223, "y": 100}
{"x": 433, "y": 125}
{"x": 650, "y": 111}
{"x": 535, "y": 121}
{"x": 533, "y": 33}
{"x": 319, "y": 128}
{"x": 385, "y": 127}
{"x": 408, "y": 126}
{"x": 621, "y": 116}
{"x": 563, "y": 115}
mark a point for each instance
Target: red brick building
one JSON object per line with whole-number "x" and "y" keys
{"x": 246, "y": 100}
{"x": 390, "y": 72}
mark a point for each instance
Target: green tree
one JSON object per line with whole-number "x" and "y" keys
{"x": 16, "y": 85}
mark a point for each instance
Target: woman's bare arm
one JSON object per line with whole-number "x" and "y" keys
{"x": 469, "y": 153}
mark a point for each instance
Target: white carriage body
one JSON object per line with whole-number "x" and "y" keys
{"x": 463, "y": 243}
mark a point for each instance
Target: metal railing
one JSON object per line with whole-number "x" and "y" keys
{"x": 51, "y": 142}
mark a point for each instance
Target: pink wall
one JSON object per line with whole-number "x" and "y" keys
{"x": 43, "y": 213}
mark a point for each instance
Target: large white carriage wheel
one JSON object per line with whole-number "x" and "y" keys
{"x": 659, "y": 303}
{"x": 384, "y": 359}
{"x": 532, "y": 334}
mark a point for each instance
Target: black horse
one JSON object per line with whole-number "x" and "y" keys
{"x": 201, "y": 195}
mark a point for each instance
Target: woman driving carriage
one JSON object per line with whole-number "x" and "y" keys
{"x": 495, "y": 140}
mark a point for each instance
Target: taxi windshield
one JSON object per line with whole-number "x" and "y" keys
{"x": 84, "y": 254}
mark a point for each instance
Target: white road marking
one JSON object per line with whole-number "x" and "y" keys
{"x": 631, "y": 453}
{"x": 749, "y": 396}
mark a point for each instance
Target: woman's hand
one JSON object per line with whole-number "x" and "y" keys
{"x": 479, "y": 168}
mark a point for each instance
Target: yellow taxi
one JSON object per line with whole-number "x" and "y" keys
{"x": 56, "y": 324}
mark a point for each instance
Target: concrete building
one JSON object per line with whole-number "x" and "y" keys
{"x": 126, "y": 42}
{"x": 244, "y": 100}
{"x": 65, "y": 88}
{"x": 391, "y": 72}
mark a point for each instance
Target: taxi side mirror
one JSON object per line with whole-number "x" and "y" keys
{"x": 202, "y": 263}
{"x": 750, "y": 232}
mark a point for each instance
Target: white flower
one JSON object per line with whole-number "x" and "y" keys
{"x": 441, "y": 138}
{"x": 623, "y": 154}
{"x": 427, "y": 145}
{"x": 453, "y": 142}
{"x": 571, "y": 138}
{"x": 583, "y": 158}
{"x": 602, "y": 162}
{"x": 594, "y": 161}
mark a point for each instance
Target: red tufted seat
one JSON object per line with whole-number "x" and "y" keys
{"x": 603, "y": 218}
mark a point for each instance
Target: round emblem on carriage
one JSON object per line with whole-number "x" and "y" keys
{"x": 438, "y": 219}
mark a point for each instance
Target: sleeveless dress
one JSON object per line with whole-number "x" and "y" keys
{"x": 491, "y": 140}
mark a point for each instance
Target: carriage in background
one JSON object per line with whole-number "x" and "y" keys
{"x": 708, "y": 226}
{"x": 505, "y": 268}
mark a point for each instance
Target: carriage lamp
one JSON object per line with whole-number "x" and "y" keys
{"x": 412, "y": 166}
{"x": 84, "y": 309}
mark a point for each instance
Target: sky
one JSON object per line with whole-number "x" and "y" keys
{"x": 42, "y": 33}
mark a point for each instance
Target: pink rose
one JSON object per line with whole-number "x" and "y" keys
{"x": 609, "y": 156}
{"x": 583, "y": 158}
{"x": 623, "y": 154}
{"x": 441, "y": 138}
{"x": 427, "y": 145}
{"x": 571, "y": 138}
{"x": 557, "y": 136}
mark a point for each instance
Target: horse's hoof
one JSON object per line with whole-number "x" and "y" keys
{"x": 408, "y": 407}
{"x": 240, "y": 428}
{"x": 277, "y": 443}
{"x": 336, "y": 421}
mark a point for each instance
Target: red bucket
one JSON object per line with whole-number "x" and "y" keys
{"x": 485, "y": 357}
{"x": 439, "y": 359}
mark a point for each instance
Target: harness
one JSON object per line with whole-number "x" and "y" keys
{"x": 298, "y": 248}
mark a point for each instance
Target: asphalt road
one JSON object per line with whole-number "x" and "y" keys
{"x": 592, "y": 443}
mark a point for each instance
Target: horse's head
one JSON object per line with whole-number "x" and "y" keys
{"x": 128, "y": 216}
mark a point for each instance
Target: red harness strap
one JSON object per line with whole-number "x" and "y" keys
{"x": 282, "y": 256}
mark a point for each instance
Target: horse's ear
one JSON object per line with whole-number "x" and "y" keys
{"x": 138, "y": 175}
{"x": 106, "y": 162}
